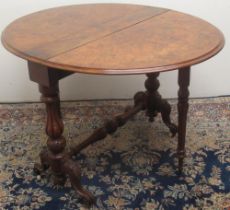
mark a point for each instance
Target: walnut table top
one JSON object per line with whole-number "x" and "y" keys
{"x": 112, "y": 39}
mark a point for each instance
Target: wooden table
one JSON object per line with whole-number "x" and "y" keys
{"x": 109, "y": 39}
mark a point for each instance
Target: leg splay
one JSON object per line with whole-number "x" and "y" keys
{"x": 165, "y": 110}
{"x": 72, "y": 169}
{"x": 156, "y": 104}
{"x": 68, "y": 168}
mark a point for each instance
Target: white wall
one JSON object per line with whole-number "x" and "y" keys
{"x": 211, "y": 78}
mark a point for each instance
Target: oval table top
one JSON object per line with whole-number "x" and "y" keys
{"x": 112, "y": 39}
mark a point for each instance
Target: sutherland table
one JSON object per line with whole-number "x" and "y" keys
{"x": 109, "y": 39}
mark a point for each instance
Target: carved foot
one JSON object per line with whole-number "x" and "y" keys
{"x": 72, "y": 169}
{"x": 68, "y": 168}
{"x": 40, "y": 168}
{"x": 165, "y": 110}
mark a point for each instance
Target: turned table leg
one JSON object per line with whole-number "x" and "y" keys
{"x": 183, "y": 93}
{"x": 153, "y": 97}
{"x": 54, "y": 128}
{"x": 55, "y": 155}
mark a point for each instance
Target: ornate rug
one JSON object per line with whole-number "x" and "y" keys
{"x": 134, "y": 169}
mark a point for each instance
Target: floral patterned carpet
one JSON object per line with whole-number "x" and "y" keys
{"x": 134, "y": 169}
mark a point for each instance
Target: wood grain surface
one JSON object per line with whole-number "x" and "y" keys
{"x": 112, "y": 39}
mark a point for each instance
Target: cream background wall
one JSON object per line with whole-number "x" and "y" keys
{"x": 211, "y": 78}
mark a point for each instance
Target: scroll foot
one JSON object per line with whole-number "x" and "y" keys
{"x": 72, "y": 169}
{"x": 165, "y": 110}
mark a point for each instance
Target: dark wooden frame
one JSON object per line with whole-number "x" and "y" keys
{"x": 60, "y": 161}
